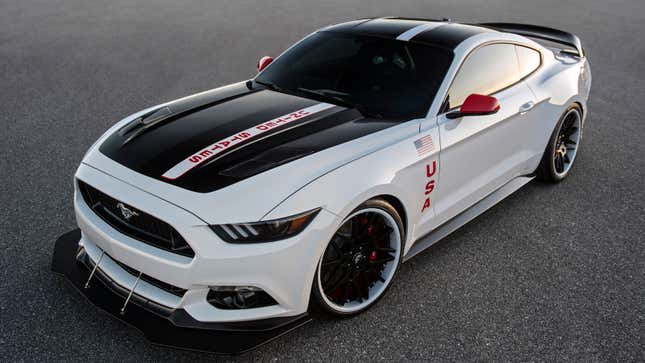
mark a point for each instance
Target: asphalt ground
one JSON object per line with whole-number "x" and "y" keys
{"x": 553, "y": 273}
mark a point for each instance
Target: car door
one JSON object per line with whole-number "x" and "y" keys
{"x": 481, "y": 153}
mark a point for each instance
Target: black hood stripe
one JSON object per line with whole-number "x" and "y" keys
{"x": 232, "y": 133}
{"x": 242, "y": 137}
{"x": 181, "y": 108}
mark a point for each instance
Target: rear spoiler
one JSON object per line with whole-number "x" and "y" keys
{"x": 540, "y": 32}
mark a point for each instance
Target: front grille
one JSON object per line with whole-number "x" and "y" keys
{"x": 177, "y": 291}
{"x": 118, "y": 289}
{"x": 139, "y": 225}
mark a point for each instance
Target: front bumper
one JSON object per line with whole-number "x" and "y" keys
{"x": 283, "y": 269}
{"x": 163, "y": 326}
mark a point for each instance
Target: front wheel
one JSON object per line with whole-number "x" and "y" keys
{"x": 360, "y": 261}
{"x": 563, "y": 146}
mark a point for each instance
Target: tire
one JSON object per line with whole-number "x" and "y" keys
{"x": 353, "y": 258}
{"x": 563, "y": 147}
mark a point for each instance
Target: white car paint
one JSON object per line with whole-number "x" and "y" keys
{"x": 473, "y": 156}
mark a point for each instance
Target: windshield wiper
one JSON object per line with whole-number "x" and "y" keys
{"x": 270, "y": 85}
{"x": 334, "y": 97}
{"x": 331, "y": 96}
{"x": 366, "y": 111}
{"x": 327, "y": 96}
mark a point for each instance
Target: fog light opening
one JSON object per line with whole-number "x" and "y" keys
{"x": 238, "y": 297}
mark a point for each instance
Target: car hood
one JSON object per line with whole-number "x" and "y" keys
{"x": 240, "y": 149}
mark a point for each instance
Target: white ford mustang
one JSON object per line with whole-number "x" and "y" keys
{"x": 218, "y": 220}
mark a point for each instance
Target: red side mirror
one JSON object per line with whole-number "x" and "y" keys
{"x": 264, "y": 62}
{"x": 476, "y": 105}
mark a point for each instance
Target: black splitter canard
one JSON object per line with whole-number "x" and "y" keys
{"x": 160, "y": 325}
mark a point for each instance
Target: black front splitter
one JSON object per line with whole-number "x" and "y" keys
{"x": 162, "y": 326}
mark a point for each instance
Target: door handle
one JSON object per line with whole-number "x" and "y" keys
{"x": 526, "y": 107}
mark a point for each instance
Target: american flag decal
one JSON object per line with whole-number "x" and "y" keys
{"x": 424, "y": 145}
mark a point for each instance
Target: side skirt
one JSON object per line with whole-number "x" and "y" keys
{"x": 466, "y": 216}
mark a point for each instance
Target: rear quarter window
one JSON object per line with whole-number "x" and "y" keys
{"x": 485, "y": 71}
{"x": 529, "y": 60}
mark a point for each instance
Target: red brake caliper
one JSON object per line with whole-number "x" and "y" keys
{"x": 373, "y": 256}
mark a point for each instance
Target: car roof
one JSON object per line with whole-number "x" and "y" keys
{"x": 442, "y": 33}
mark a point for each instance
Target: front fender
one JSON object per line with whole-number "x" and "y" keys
{"x": 395, "y": 171}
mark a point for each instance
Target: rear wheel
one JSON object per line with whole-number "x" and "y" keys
{"x": 360, "y": 261}
{"x": 563, "y": 147}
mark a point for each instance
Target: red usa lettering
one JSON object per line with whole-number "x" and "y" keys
{"x": 431, "y": 170}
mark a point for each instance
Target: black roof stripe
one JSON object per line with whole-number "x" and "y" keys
{"x": 388, "y": 27}
{"x": 347, "y": 26}
{"x": 381, "y": 27}
{"x": 449, "y": 35}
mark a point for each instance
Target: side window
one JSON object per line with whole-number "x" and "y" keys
{"x": 486, "y": 70}
{"x": 528, "y": 58}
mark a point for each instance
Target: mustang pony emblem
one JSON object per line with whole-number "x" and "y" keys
{"x": 126, "y": 212}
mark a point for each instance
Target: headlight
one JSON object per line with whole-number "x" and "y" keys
{"x": 266, "y": 231}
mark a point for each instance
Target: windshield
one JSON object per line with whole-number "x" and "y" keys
{"x": 384, "y": 77}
